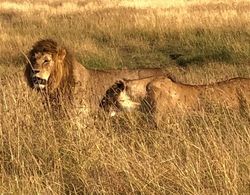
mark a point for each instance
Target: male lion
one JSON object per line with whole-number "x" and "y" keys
{"x": 53, "y": 70}
{"x": 163, "y": 94}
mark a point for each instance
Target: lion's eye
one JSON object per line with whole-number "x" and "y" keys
{"x": 46, "y": 61}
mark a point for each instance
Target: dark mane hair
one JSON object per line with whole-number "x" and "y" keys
{"x": 44, "y": 45}
{"x": 62, "y": 83}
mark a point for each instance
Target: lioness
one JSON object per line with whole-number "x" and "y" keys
{"x": 162, "y": 94}
{"x": 53, "y": 70}
{"x": 126, "y": 95}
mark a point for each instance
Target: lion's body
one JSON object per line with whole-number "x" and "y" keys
{"x": 162, "y": 95}
{"x": 167, "y": 95}
{"x": 191, "y": 97}
{"x": 53, "y": 70}
{"x": 91, "y": 85}
{"x": 100, "y": 81}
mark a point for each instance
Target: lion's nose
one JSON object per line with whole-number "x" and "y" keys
{"x": 36, "y": 71}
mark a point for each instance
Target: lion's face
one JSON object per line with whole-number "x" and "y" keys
{"x": 45, "y": 67}
{"x": 42, "y": 64}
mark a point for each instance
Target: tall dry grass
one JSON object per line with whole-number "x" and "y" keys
{"x": 206, "y": 153}
{"x": 202, "y": 153}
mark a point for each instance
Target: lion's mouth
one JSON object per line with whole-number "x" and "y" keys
{"x": 39, "y": 83}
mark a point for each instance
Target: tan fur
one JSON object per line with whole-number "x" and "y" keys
{"x": 167, "y": 95}
{"x": 161, "y": 95}
{"x": 126, "y": 95}
{"x": 72, "y": 82}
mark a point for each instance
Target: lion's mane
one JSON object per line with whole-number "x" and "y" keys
{"x": 61, "y": 78}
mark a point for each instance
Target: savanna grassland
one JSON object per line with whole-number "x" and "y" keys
{"x": 200, "y": 153}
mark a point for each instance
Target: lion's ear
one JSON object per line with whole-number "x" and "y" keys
{"x": 61, "y": 54}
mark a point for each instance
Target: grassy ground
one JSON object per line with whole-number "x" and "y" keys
{"x": 197, "y": 41}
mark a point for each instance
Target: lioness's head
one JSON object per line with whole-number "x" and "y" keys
{"x": 117, "y": 99}
{"x": 45, "y": 59}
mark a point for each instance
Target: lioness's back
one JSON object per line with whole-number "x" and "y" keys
{"x": 168, "y": 93}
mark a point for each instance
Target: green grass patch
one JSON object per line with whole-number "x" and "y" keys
{"x": 96, "y": 62}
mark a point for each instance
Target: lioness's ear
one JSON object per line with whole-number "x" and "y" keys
{"x": 119, "y": 85}
{"x": 61, "y": 54}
